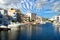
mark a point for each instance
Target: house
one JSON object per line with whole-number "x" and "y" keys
{"x": 39, "y": 19}
{"x": 25, "y": 18}
{"x": 3, "y": 17}
{"x": 15, "y": 14}
{"x": 32, "y": 16}
{"x": 55, "y": 18}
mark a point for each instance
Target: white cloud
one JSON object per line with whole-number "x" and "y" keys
{"x": 2, "y": 2}
{"x": 56, "y": 7}
{"x": 9, "y": 3}
{"x": 29, "y": 4}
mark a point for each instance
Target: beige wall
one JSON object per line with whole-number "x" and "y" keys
{"x": 39, "y": 19}
{"x": 10, "y": 12}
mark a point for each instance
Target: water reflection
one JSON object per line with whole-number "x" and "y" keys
{"x": 31, "y": 32}
{"x": 4, "y": 35}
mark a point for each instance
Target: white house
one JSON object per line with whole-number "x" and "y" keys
{"x": 32, "y": 16}
{"x": 56, "y": 18}
{"x": 3, "y": 17}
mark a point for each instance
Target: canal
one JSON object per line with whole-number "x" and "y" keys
{"x": 32, "y": 32}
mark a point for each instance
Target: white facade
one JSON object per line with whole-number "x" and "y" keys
{"x": 3, "y": 12}
{"x": 32, "y": 16}
{"x": 39, "y": 19}
{"x": 3, "y": 17}
{"x": 56, "y": 18}
{"x": 53, "y": 18}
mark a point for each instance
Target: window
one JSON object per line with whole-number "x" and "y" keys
{"x": 0, "y": 22}
{"x": 1, "y": 15}
{"x": 12, "y": 9}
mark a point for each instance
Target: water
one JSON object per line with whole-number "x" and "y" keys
{"x": 32, "y": 32}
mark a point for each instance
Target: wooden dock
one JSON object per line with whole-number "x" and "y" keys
{"x": 4, "y": 29}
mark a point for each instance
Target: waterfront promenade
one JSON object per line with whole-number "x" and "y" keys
{"x": 14, "y": 26}
{"x": 32, "y": 32}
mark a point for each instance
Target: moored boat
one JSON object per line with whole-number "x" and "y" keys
{"x": 3, "y": 28}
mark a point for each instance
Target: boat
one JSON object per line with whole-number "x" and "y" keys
{"x": 3, "y": 28}
{"x": 14, "y": 25}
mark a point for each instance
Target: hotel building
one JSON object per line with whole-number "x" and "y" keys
{"x": 32, "y": 16}
{"x": 15, "y": 14}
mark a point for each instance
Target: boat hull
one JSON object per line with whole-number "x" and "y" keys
{"x": 4, "y": 29}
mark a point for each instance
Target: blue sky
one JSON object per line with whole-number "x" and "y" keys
{"x": 44, "y": 8}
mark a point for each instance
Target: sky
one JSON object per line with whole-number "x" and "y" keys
{"x": 44, "y": 8}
